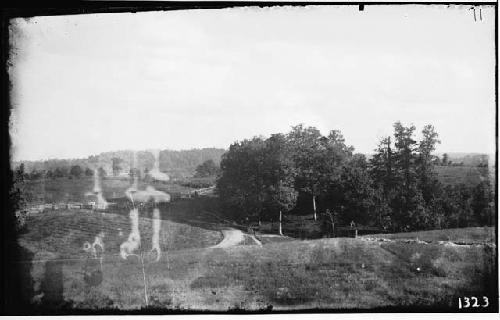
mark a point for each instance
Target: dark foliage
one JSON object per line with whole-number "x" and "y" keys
{"x": 207, "y": 169}
{"x": 303, "y": 172}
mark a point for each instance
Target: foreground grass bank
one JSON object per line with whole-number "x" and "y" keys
{"x": 335, "y": 274}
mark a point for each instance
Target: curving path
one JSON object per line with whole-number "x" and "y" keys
{"x": 232, "y": 237}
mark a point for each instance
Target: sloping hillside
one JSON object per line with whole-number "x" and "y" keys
{"x": 63, "y": 233}
{"x": 334, "y": 274}
{"x": 326, "y": 274}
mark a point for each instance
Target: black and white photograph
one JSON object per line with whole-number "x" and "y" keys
{"x": 240, "y": 158}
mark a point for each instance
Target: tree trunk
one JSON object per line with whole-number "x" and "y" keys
{"x": 280, "y": 229}
{"x": 333, "y": 226}
{"x": 314, "y": 207}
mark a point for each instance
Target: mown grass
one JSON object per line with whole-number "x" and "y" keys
{"x": 472, "y": 235}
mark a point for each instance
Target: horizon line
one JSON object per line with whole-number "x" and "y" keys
{"x": 225, "y": 149}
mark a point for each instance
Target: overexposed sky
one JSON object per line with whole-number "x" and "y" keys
{"x": 85, "y": 84}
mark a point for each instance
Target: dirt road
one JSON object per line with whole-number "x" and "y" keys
{"x": 232, "y": 237}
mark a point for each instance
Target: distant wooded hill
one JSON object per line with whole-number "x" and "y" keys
{"x": 177, "y": 163}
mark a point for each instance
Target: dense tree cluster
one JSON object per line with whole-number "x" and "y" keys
{"x": 304, "y": 172}
{"x": 258, "y": 178}
{"x": 207, "y": 169}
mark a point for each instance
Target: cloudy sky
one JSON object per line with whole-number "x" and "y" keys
{"x": 85, "y": 84}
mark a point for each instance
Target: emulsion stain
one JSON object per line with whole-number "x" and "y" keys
{"x": 52, "y": 285}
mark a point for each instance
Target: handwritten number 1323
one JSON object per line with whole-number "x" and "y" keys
{"x": 472, "y": 302}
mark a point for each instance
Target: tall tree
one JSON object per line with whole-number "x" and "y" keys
{"x": 408, "y": 203}
{"x": 357, "y": 192}
{"x": 241, "y": 184}
{"x": 383, "y": 173}
{"x": 382, "y": 167}
{"x": 405, "y": 153}
{"x": 428, "y": 182}
{"x": 335, "y": 156}
{"x": 279, "y": 177}
{"x": 307, "y": 147}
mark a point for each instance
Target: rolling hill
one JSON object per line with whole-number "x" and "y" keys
{"x": 337, "y": 274}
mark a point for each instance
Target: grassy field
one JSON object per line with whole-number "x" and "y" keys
{"x": 468, "y": 175}
{"x": 338, "y": 273}
{"x": 63, "y": 232}
{"x": 65, "y": 189}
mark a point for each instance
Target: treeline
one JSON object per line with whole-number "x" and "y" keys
{"x": 472, "y": 160}
{"x": 304, "y": 172}
{"x": 182, "y": 163}
{"x": 74, "y": 171}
